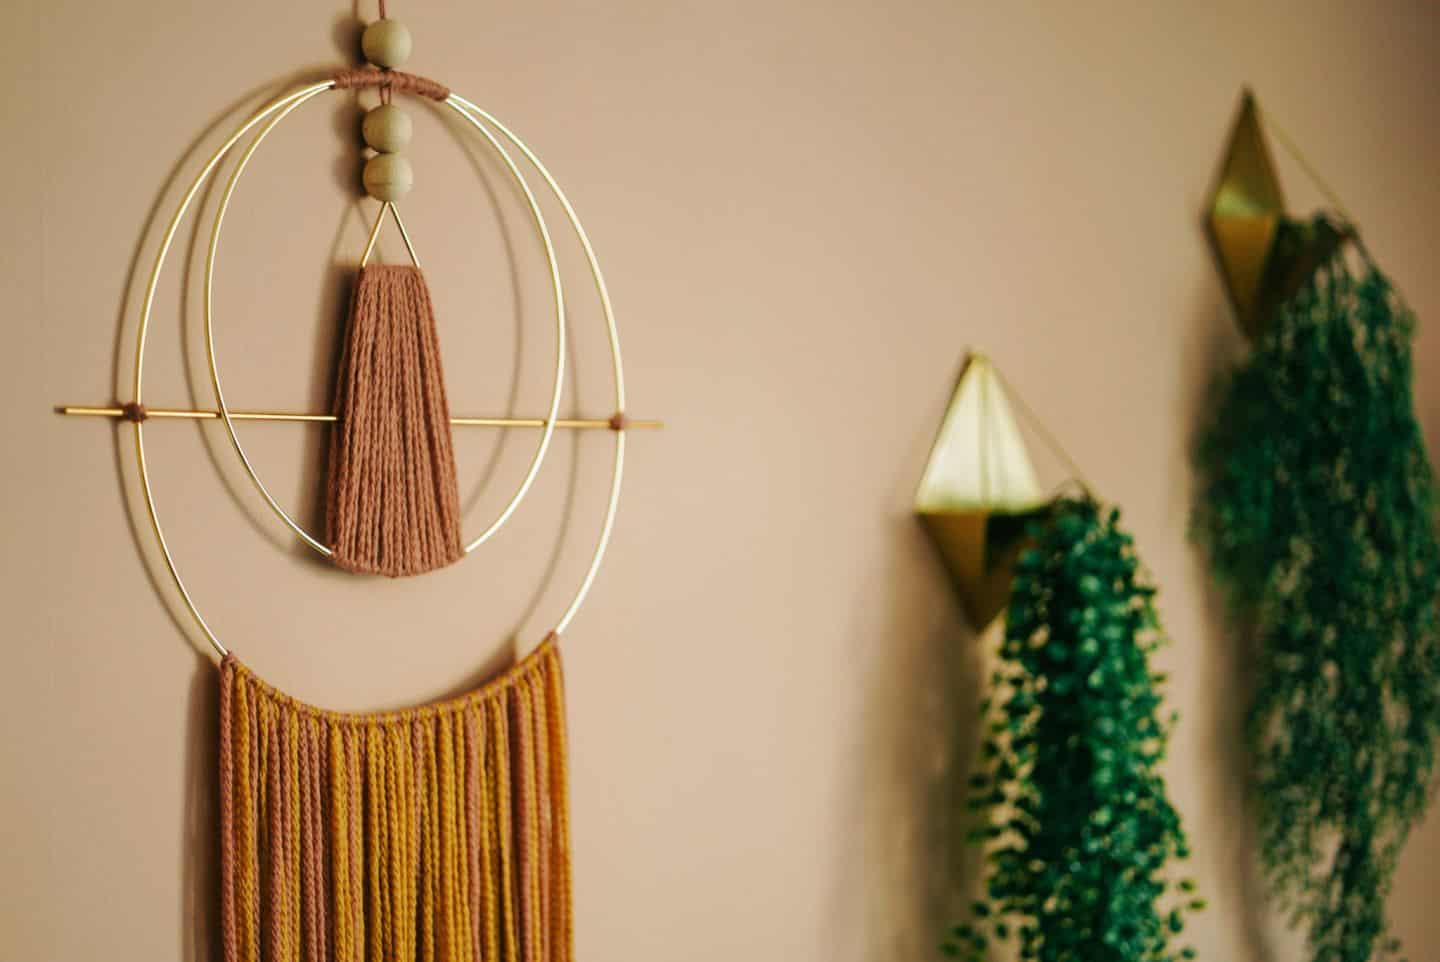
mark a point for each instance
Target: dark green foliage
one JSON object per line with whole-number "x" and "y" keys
{"x": 1317, "y": 505}
{"x": 1080, "y": 830}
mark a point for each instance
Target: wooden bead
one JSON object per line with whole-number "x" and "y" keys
{"x": 386, "y": 128}
{"x": 388, "y": 177}
{"x": 386, "y": 43}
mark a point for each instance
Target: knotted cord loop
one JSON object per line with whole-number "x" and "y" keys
{"x": 358, "y": 78}
{"x": 134, "y": 412}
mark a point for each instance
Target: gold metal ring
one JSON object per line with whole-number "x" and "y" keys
{"x": 557, "y": 388}
{"x": 602, "y": 292}
{"x": 473, "y": 114}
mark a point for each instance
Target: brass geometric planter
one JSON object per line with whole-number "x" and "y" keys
{"x": 1264, "y": 255}
{"x": 978, "y": 495}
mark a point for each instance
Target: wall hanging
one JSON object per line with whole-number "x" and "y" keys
{"x": 1080, "y": 833}
{"x": 1317, "y": 506}
{"x": 441, "y": 832}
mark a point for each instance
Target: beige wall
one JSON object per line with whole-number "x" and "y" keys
{"x": 808, "y": 210}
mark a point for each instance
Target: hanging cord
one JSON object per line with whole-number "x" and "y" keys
{"x": 1050, "y": 440}
{"x": 1331, "y": 197}
{"x": 356, "y": 78}
{"x": 385, "y": 92}
{"x": 1289, "y": 144}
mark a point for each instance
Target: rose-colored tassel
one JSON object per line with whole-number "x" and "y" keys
{"x": 392, "y": 506}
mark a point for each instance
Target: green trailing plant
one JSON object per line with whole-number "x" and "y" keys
{"x": 1080, "y": 833}
{"x": 1317, "y": 506}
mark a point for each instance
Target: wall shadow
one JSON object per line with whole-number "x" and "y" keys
{"x": 1213, "y": 346}
{"x": 903, "y": 875}
{"x": 924, "y": 706}
{"x": 200, "y": 840}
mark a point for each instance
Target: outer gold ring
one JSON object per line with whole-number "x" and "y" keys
{"x": 617, "y": 364}
{"x": 473, "y": 115}
{"x": 557, "y": 388}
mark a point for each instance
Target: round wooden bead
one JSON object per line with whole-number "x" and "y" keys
{"x": 388, "y": 177}
{"x": 386, "y": 128}
{"x": 386, "y": 43}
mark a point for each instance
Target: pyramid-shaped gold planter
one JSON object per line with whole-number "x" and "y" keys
{"x": 979, "y": 495}
{"x": 1264, "y": 255}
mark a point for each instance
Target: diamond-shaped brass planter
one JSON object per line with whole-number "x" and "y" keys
{"x": 979, "y": 494}
{"x": 1264, "y": 255}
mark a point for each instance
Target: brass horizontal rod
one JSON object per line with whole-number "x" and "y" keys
{"x": 187, "y": 415}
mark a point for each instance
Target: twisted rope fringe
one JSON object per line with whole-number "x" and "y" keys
{"x": 437, "y": 834}
{"x": 392, "y": 503}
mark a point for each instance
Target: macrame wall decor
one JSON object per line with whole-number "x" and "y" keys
{"x": 1317, "y": 506}
{"x": 1080, "y": 833}
{"x": 438, "y": 833}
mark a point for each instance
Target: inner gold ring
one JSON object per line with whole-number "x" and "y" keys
{"x": 556, "y": 391}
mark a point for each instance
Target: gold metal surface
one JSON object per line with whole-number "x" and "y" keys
{"x": 1263, "y": 254}
{"x": 979, "y": 549}
{"x": 478, "y": 119}
{"x": 475, "y": 115}
{"x": 388, "y": 206}
{"x": 1245, "y": 212}
{"x": 186, "y": 414}
{"x": 979, "y": 495}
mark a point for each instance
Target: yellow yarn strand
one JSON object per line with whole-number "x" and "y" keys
{"x": 473, "y": 775}
{"x": 430, "y": 843}
{"x": 564, "y": 924}
{"x": 274, "y": 824}
{"x": 356, "y": 784}
{"x": 459, "y": 935}
{"x": 377, "y": 833}
{"x": 402, "y": 845}
{"x": 339, "y": 850}
{"x": 292, "y": 830}
{"x": 445, "y": 829}
{"x": 503, "y": 836}
{"x": 526, "y": 819}
{"x": 544, "y": 819}
{"x": 489, "y": 896}
{"x": 246, "y": 911}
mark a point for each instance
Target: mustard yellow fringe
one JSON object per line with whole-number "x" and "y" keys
{"x": 437, "y": 834}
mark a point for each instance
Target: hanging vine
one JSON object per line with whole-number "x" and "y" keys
{"x": 1080, "y": 832}
{"x": 1317, "y": 505}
